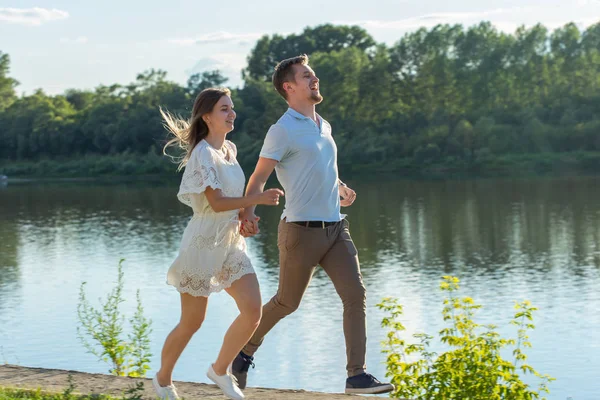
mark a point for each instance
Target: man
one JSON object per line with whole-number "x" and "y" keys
{"x": 312, "y": 231}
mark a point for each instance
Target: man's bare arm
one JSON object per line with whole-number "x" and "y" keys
{"x": 262, "y": 172}
{"x": 256, "y": 184}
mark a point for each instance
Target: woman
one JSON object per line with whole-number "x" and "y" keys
{"x": 213, "y": 254}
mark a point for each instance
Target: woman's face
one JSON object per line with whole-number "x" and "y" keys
{"x": 221, "y": 118}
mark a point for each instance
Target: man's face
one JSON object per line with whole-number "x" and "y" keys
{"x": 305, "y": 86}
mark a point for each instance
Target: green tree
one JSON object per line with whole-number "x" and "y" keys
{"x": 7, "y": 84}
{"x": 198, "y": 82}
{"x": 467, "y": 98}
{"x": 323, "y": 38}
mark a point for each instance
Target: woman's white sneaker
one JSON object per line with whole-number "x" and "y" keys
{"x": 227, "y": 383}
{"x": 164, "y": 392}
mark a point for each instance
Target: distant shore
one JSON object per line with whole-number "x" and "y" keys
{"x": 140, "y": 167}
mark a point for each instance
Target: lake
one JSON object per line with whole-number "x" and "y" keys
{"x": 506, "y": 239}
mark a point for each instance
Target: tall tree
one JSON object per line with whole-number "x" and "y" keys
{"x": 323, "y": 38}
{"x": 7, "y": 84}
{"x": 198, "y": 82}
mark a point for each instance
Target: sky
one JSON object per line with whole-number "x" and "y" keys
{"x": 62, "y": 44}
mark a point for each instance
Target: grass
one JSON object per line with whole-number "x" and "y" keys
{"x": 28, "y": 394}
{"x": 133, "y": 393}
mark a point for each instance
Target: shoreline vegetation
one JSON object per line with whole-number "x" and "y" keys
{"x": 157, "y": 167}
{"x": 447, "y": 101}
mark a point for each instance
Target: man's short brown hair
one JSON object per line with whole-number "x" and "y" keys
{"x": 284, "y": 72}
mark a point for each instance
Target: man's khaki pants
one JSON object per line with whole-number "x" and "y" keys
{"x": 301, "y": 249}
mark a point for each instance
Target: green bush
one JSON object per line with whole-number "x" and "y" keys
{"x": 473, "y": 368}
{"x": 105, "y": 326}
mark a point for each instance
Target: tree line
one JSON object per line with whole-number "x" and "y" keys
{"x": 450, "y": 98}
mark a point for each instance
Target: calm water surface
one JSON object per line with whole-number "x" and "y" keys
{"x": 507, "y": 240}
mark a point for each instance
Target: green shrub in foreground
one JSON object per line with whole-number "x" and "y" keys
{"x": 473, "y": 368}
{"x": 128, "y": 357}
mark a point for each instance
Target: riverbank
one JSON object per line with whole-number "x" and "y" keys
{"x": 55, "y": 380}
{"x": 484, "y": 165}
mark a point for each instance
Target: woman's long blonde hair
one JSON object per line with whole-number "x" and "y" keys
{"x": 188, "y": 133}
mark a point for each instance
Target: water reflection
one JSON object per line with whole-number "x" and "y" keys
{"x": 506, "y": 239}
{"x": 9, "y": 270}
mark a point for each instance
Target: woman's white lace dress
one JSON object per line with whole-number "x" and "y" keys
{"x": 213, "y": 254}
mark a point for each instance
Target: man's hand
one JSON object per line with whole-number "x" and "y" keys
{"x": 348, "y": 196}
{"x": 249, "y": 223}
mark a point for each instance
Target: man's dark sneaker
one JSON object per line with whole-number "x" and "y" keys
{"x": 366, "y": 384}
{"x": 240, "y": 367}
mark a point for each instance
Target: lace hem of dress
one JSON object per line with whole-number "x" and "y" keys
{"x": 237, "y": 265}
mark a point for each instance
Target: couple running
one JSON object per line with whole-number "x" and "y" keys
{"x": 312, "y": 231}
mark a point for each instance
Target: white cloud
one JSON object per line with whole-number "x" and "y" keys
{"x": 77, "y": 40}
{"x": 505, "y": 19}
{"x": 229, "y": 64}
{"x": 431, "y": 20}
{"x": 31, "y": 16}
{"x": 581, "y": 23}
{"x": 216, "y": 38}
{"x": 221, "y": 61}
